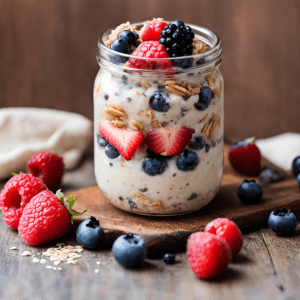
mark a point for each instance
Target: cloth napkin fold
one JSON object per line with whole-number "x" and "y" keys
{"x": 280, "y": 150}
{"x": 26, "y": 131}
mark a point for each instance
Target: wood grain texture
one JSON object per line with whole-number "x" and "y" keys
{"x": 48, "y": 50}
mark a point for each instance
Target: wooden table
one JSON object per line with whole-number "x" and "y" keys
{"x": 268, "y": 267}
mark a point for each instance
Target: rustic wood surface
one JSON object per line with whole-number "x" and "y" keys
{"x": 171, "y": 234}
{"x": 48, "y": 54}
{"x": 266, "y": 268}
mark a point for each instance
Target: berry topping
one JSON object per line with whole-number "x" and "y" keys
{"x": 120, "y": 45}
{"x": 178, "y": 23}
{"x": 46, "y": 217}
{"x": 101, "y": 141}
{"x": 152, "y": 31}
{"x": 129, "y": 36}
{"x": 154, "y": 165}
{"x": 169, "y": 258}
{"x": 177, "y": 40}
{"x": 158, "y": 102}
{"x": 129, "y": 250}
{"x": 111, "y": 151}
{"x": 282, "y": 221}
{"x": 204, "y": 98}
{"x": 197, "y": 143}
{"x": 296, "y": 166}
{"x": 124, "y": 140}
{"x": 47, "y": 166}
{"x": 270, "y": 175}
{"x": 245, "y": 159}
{"x": 187, "y": 161}
{"x": 169, "y": 141}
{"x": 90, "y": 234}
{"x": 208, "y": 254}
{"x": 16, "y": 194}
{"x": 237, "y": 144}
{"x": 227, "y": 230}
{"x": 150, "y": 49}
{"x": 250, "y": 192}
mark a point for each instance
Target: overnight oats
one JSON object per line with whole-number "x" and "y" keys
{"x": 158, "y": 117}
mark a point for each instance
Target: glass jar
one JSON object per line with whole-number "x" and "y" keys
{"x": 156, "y": 184}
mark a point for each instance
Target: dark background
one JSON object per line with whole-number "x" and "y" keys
{"x": 48, "y": 54}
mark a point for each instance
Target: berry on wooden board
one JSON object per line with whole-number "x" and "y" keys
{"x": 250, "y": 192}
{"x": 282, "y": 221}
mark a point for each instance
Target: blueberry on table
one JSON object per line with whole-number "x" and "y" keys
{"x": 130, "y": 250}
{"x": 197, "y": 143}
{"x": 154, "y": 165}
{"x": 158, "y": 102}
{"x": 111, "y": 151}
{"x": 129, "y": 36}
{"x": 270, "y": 175}
{"x": 169, "y": 258}
{"x": 187, "y": 161}
{"x": 90, "y": 234}
{"x": 237, "y": 144}
{"x": 296, "y": 166}
{"x": 250, "y": 192}
{"x": 204, "y": 98}
{"x": 282, "y": 221}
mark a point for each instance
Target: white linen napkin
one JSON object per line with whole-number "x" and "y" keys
{"x": 280, "y": 150}
{"x": 26, "y": 131}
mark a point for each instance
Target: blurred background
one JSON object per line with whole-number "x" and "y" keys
{"x": 48, "y": 54}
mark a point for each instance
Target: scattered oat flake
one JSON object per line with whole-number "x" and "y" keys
{"x": 59, "y": 244}
{"x": 49, "y": 267}
{"x": 13, "y": 248}
{"x": 43, "y": 261}
{"x": 97, "y": 271}
{"x": 35, "y": 260}
{"x": 26, "y": 253}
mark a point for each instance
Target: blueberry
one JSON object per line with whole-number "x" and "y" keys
{"x": 282, "y": 221}
{"x": 122, "y": 46}
{"x": 237, "y": 144}
{"x": 204, "y": 98}
{"x": 296, "y": 166}
{"x": 187, "y": 161}
{"x": 129, "y": 36}
{"x": 90, "y": 234}
{"x": 269, "y": 175}
{"x": 111, "y": 151}
{"x": 298, "y": 179}
{"x": 197, "y": 143}
{"x": 154, "y": 165}
{"x": 130, "y": 250}
{"x": 250, "y": 192}
{"x": 183, "y": 63}
{"x": 200, "y": 61}
{"x": 193, "y": 196}
{"x": 158, "y": 103}
{"x": 101, "y": 141}
{"x": 169, "y": 258}
{"x": 178, "y": 23}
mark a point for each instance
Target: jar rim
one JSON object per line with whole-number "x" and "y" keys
{"x": 213, "y": 55}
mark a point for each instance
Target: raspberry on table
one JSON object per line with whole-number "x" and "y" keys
{"x": 47, "y": 166}
{"x": 229, "y": 231}
{"x": 16, "y": 194}
{"x": 208, "y": 254}
{"x": 46, "y": 217}
{"x": 150, "y": 49}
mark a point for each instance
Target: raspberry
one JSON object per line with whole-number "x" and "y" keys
{"x": 151, "y": 49}
{"x": 208, "y": 254}
{"x": 48, "y": 167}
{"x": 46, "y": 218}
{"x": 229, "y": 231}
{"x": 15, "y": 195}
{"x": 152, "y": 31}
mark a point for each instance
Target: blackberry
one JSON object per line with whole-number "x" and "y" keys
{"x": 177, "y": 40}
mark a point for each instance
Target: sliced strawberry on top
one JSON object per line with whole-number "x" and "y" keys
{"x": 152, "y": 31}
{"x": 170, "y": 141}
{"x": 124, "y": 140}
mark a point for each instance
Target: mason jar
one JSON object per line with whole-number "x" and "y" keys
{"x": 185, "y": 101}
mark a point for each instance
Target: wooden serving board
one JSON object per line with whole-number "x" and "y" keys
{"x": 164, "y": 234}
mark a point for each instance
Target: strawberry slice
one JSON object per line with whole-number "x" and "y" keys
{"x": 124, "y": 140}
{"x": 169, "y": 141}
